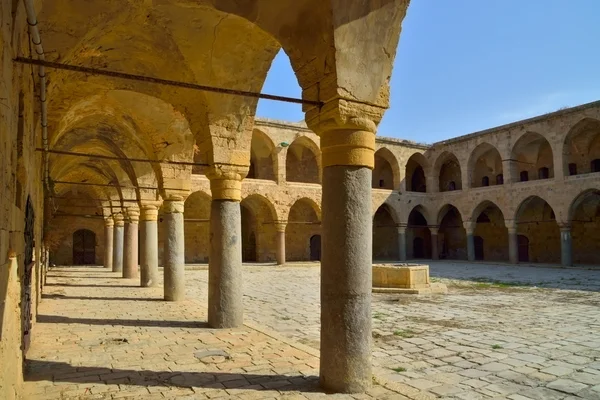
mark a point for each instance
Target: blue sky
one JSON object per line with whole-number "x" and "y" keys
{"x": 468, "y": 65}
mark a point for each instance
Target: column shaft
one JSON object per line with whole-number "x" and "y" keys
{"x": 130, "y": 250}
{"x": 118, "y": 236}
{"x": 435, "y": 253}
{"x": 566, "y": 247}
{"x": 149, "y": 248}
{"x": 402, "y": 244}
{"x": 470, "y": 247}
{"x": 108, "y": 244}
{"x": 346, "y": 279}
{"x": 174, "y": 255}
{"x": 225, "y": 304}
{"x": 280, "y": 256}
{"x": 513, "y": 246}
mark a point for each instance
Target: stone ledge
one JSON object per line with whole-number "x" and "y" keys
{"x": 434, "y": 288}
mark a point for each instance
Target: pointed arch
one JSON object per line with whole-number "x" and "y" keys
{"x": 490, "y": 233}
{"x": 303, "y": 223}
{"x": 417, "y": 168}
{"x": 531, "y": 158}
{"x": 303, "y": 161}
{"x": 536, "y": 221}
{"x": 448, "y": 170}
{"x": 452, "y": 236}
{"x": 581, "y": 148}
{"x": 385, "y": 234}
{"x": 485, "y": 166}
{"x": 196, "y": 225}
{"x": 386, "y": 173}
{"x": 418, "y": 235}
{"x": 263, "y": 158}
{"x": 584, "y": 217}
{"x": 258, "y": 228}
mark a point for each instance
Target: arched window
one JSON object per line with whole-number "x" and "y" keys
{"x": 524, "y": 176}
{"x": 543, "y": 173}
{"x": 452, "y": 186}
{"x": 595, "y": 165}
{"x": 499, "y": 179}
{"x": 485, "y": 181}
{"x": 572, "y": 169}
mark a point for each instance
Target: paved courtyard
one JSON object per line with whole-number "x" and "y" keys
{"x": 501, "y": 332}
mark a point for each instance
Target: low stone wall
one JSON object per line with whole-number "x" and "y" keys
{"x": 404, "y": 278}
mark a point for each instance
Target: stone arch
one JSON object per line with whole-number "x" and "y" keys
{"x": 386, "y": 173}
{"x": 485, "y": 166}
{"x": 59, "y": 238}
{"x": 452, "y": 236}
{"x": 581, "y": 148}
{"x": 258, "y": 229}
{"x": 263, "y": 158}
{"x": 303, "y": 161}
{"x": 418, "y": 235}
{"x": 491, "y": 231}
{"x": 304, "y": 222}
{"x": 535, "y": 220}
{"x": 584, "y": 218}
{"x": 196, "y": 217}
{"x": 531, "y": 158}
{"x": 84, "y": 247}
{"x": 385, "y": 234}
{"x": 416, "y": 177}
{"x": 448, "y": 170}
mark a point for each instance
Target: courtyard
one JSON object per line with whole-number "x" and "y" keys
{"x": 513, "y": 332}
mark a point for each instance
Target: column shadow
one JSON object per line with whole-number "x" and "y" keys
{"x": 56, "y": 296}
{"x": 58, "y": 319}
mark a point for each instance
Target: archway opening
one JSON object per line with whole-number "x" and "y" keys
{"x": 386, "y": 170}
{"x": 258, "y": 229}
{"x": 536, "y": 222}
{"x": 302, "y": 163}
{"x": 415, "y": 174}
{"x": 302, "y": 227}
{"x": 263, "y": 159}
{"x": 449, "y": 176}
{"x": 385, "y": 235}
{"x": 418, "y": 236}
{"x": 585, "y": 228}
{"x": 582, "y": 148}
{"x": 196, "y": 216}
{"x": 490, "y": 234}
{"x": 452, "y": 237}
{"x": 485, "y": 166}
{"x": 84, "y": 247}
{"x": 532, "y": 158}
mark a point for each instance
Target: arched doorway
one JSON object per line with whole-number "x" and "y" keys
{"x": 258, "y": 229}
{"x": 536, "y": 222}
{"x": 491, "y": 230}
{"x": 485, "y": 166}
{"x": 385, "y": 235}
{"x": 418, "y": 236}
{"x": 84, "y": 247}
{"x": 449, "y": 174}
{"x": 386, "y": 171}
{"x": 415, "y": 173}
{"x": 452, "y": 236}
{"x": 302, "y": 161}
{"x": 196, "y": 226}
{"x": 478, "y": 245}
{"x": 532, "y": 158}
{"x": 303, "y": 225}
{"x": 315, "y": 248}
{"x": 523, "y": 248}
{"x": 584, "y": 216}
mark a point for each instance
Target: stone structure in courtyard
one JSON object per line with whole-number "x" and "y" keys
{"x": 98, "y": 169}
{"x": 403, "y": 278}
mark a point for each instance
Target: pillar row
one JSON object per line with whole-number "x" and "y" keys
{"x": 109, "y": 226}
{"x": 130, "y": 244}
{"x": 435, "y": 253}
{"x": 225, "y": 305}
{"x": 117, "y": 264}
{"x": 149, "y": 246}
{"x": 174, "y": 254}
{"x": 280, "y": 254}
{"x": 347, "y": 149}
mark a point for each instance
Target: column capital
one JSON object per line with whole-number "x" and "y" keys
{"x": 133, "y": 215}
{"x": 434, "y": 230}
{"x": 280, "y": 226}
{"x": 469, "y": 226}
{"x": 564, "y": 227}
{"x": 149, "y": 212}
{"x": 119, "y": 219}
{"x": 347, "y": 132}
{"x": 173, "y": 205}
{"x": 401, "y": 229}
{"x": 109, "y": 221}
{"x": 226, "y": 181}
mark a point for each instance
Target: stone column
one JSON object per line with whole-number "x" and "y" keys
{"x": 174, "y": 254}
{"x": 566, "y": 246}
{"x": 280, "y": 256}
{"x": 347, "y": 148}
{"x": 435, "y": 253}
{"x": 470, "y": 241}
{"x": 130, "y": 246}
{"x": 225, "y": 305}
{"x": 117, "y": 264}
{"x": 513, "y": 245}
{"x": 109, "y": 225}
{"x": 149, "y": 246}
{"x": 402, "y": 243}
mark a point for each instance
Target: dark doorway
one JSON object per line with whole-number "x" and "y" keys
{"x": 315, "y": 248}
{"x": 478, "y": 241}
{"x": 249, "y": 249}
{"x": 84, "y": 247}
{"x": 523, "y": 242}
{"x": 418, "y": 248}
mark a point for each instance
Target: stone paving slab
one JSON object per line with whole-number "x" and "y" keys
{"x": 99, "y": 336}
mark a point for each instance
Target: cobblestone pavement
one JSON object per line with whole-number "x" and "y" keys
{"x": 100, "y": 337}
{"x": 501, "y": 331}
